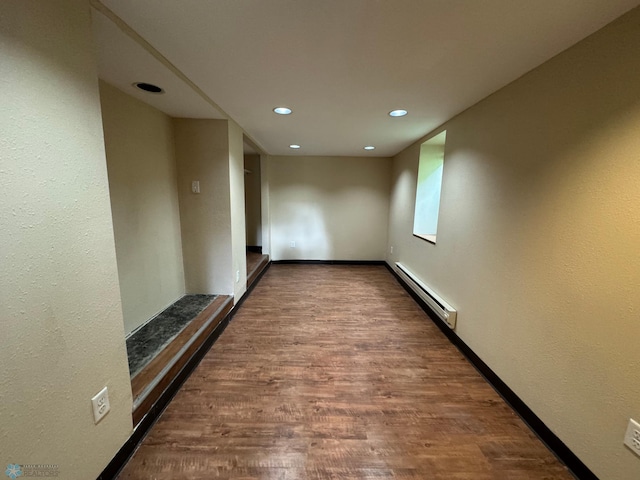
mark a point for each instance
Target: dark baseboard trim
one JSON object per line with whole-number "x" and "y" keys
{"x": 121, "y": 458}
{"x": 329, "y": 262}
{"x": 550, "y": 439}
{"x": 254, "y": 249}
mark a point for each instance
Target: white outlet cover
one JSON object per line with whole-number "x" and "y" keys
{"x": 632, "y": 437}
{"x": 100, "y": 405}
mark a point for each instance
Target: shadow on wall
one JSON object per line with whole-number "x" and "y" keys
{"x": 302, "y": 234}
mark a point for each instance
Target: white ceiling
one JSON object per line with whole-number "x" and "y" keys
{"x": 341, "y": 65}
{"x": 122, "y": 61}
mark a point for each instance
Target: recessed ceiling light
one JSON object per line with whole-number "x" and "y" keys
{"x": 369, "y": 147}
{"x": 398, "y": 113}
{"x": 282, "y": 110}
{"x": 294, "y": 146}
{"x": 148, "y": 87}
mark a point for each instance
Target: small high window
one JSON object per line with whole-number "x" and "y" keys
{"x": 430, "y": 166}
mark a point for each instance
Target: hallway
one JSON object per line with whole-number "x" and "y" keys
{"x": 333, "y": 372}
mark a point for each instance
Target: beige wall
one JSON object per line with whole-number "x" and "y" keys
{"x": 61, "y": 320}
{"x": 333, "y": 208}
{"x": 538, "y": 240}
{"x": 236, "y": 193}
{"x": 265, "y": 219}
{"x": 143, "y": 187}
{"x": 202, "y": 154}
{"x": 252, "y": 195}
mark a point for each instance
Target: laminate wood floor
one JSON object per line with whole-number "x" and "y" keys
{"x": 334, "y": 372}
{"x": 253, "y": 260}
{"x": 256, "y": 263}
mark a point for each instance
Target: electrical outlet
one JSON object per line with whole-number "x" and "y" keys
{"x": 292, "y": 244}
{"x": 391, "y": 249}
{"x": 237, "y": 276}
{"x": 100, "y": 405}
{"x": 632, "y": 437}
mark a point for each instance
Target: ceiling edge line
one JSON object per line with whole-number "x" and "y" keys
{"x": 140, "y": 40}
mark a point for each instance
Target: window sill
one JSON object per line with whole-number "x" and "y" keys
{"x": 428, "y": 238}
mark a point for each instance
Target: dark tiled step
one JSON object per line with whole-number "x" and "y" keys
{"x": 152, "y": 338}
{"x": 150, "y": 382}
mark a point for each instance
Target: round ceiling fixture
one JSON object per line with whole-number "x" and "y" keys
{"x": 294, "y": 146}
{"x": 369, "y": 147}
{"x": 398, "y": 113}
{"x": 148, "y": 87}
{"x": 282, "y": 110}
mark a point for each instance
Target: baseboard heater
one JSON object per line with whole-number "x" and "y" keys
{"x": 442, "y": 309}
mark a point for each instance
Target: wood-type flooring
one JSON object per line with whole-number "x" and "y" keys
{"x": 334, "y": 372}
{"x": 256, "y": 263}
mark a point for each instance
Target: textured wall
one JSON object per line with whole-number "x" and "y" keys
{"x": 61, "y": 320}
{"x": 202, "y": 153}
{"x": 252, "y": 200}
{"x": 143, "y": 187}
{"x": 236, "y": 193}
{"x": 265, "y": 205}
{"x": 538, "y": 240}
{"x": 334, "y": 208}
